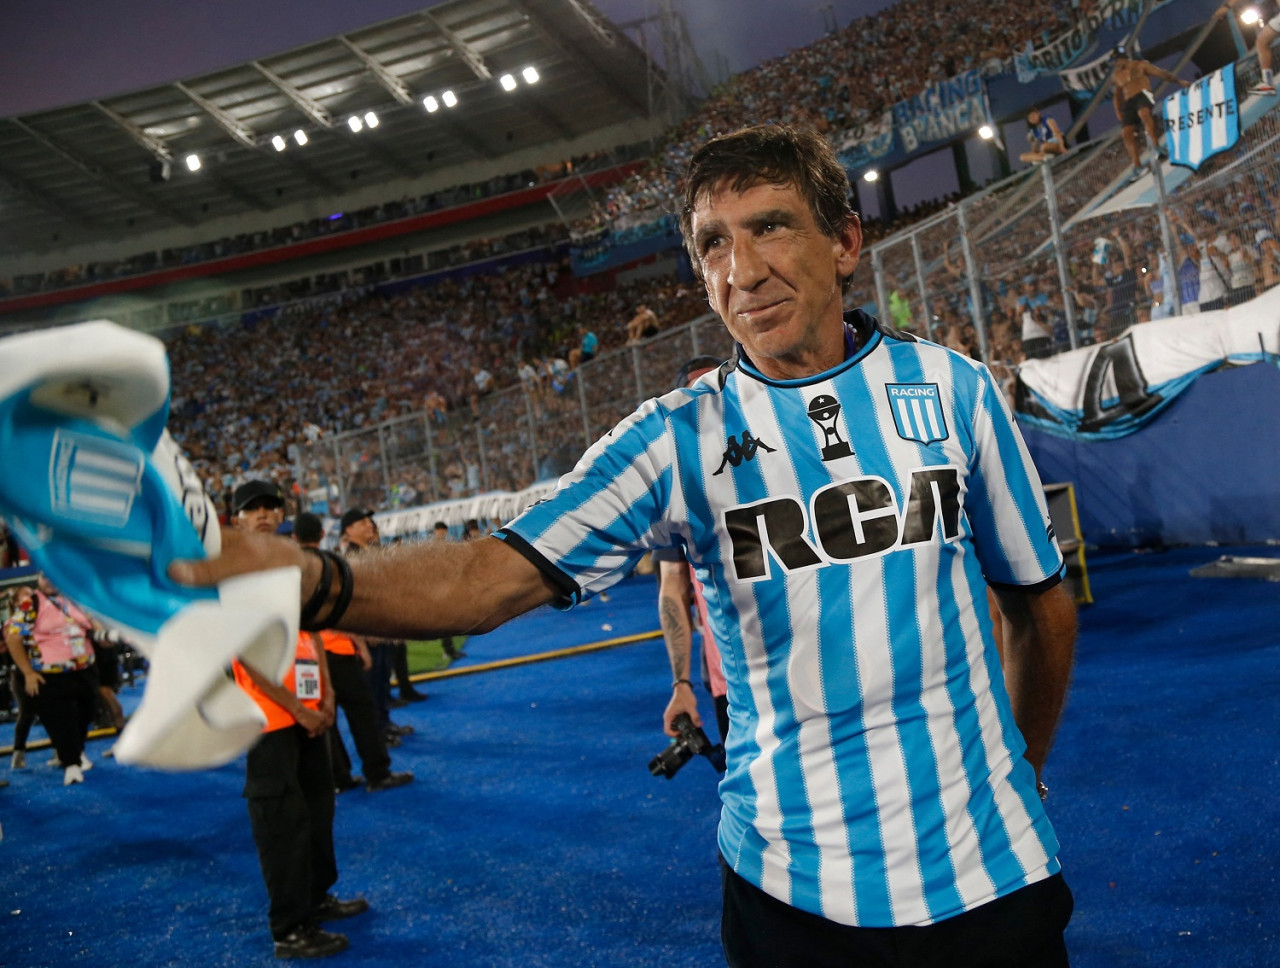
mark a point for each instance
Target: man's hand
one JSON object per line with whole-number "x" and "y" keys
{"x": 244, "y": 552}
{"x": 683, "y": 700}
{"x": 312, "y": 720}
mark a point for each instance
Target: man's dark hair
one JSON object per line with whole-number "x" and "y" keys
{"x": 771, "y": 154}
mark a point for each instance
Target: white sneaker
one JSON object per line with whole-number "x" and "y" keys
{"x": 54, "y": 761}
{"x": 1263, "y": 88}
{"x": 86, "y": 764}
{"x": 109, "y": 752}
{"x": 72, "y": 774}
{"x": 19, "y": 761}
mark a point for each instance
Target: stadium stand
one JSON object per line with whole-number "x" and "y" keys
{"x": 398, "y": 337}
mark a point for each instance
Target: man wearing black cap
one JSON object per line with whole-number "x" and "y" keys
{"x": 288, "y": 779}
{"x": 357, "y": 531}
{"x": 348, "y": 658}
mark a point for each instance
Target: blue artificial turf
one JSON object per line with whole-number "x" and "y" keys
{"x": 535, "y": 836}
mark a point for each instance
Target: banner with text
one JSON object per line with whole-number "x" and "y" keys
{"x": 1065, "y": 49}
{"x": 1115, "y": 388}
{"x": 1202, "y": 120}
{"x": 866, "y": 143}
{"x": 942, "y": 111}
{"x": 1083, "y": 82}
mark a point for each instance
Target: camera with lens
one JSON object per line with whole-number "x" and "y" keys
{"x": 691, "y": 741}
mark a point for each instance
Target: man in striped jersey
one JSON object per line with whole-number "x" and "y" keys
{"x": 846, "y": 494}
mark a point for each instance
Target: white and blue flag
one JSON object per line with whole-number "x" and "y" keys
{"x": 103, "y": 501}
{"x": 1204, "y": 119}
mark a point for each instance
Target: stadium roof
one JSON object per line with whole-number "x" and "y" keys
{"x": 91, "y": 171}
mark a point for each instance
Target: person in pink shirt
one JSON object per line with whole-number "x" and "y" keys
{"x": 49, "y": 643}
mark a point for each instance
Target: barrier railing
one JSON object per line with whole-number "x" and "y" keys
{"x": 1063, "y": 255}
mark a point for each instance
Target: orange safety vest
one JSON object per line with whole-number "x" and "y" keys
{"x": 303, "y": 674}
{"x": 337, "y": 643}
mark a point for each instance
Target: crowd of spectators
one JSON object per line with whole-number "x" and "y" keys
{"x": 342, "y": 355}
{"x": 338, "y": 222}
{"x": 843, "y": 81}
{"x": 249, "y": 394}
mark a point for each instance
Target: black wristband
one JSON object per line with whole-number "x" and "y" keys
{"x": 685, "y": 681}
{"x": 321, "y": 592}
{"x": 310, "y": 620}
{"x": 347, "y": 589}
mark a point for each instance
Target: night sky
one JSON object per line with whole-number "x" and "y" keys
{"x": 97, "y": 48}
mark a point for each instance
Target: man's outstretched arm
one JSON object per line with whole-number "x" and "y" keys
{"x": 405, "y": 591}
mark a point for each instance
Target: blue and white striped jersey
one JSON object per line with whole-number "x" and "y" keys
{"x": 845, "y": 528}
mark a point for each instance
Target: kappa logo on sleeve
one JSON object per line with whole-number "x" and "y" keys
{"x": 739, "y": 451}
{"x": 917, "y": 411}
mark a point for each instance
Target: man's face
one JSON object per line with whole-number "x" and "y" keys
{"x": 363, "y": 533}
{"x": 773, "y": 277}
{"x": 442, "y": 534}
{"x": 262, "y": 514}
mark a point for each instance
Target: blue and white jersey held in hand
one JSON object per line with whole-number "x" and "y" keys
{"x": 845, "y": 528}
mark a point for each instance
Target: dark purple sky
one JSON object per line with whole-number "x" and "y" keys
{"x": 66, "y": 51}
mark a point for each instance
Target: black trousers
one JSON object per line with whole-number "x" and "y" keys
{"x": 378, "y": 676}
{"x": 289, "y": 786}
{"x": 400, "y": 665}
{"x": 351, "y": 690}
{"x": 1020, "y": 930}
{"x": 26, "y": 710}
{"x": 66, "y": 704}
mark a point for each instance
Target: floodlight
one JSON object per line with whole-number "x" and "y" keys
{"x": 1250, "y": 16}
{"x": 530, "y": 75}
{"x": 300, "y": 137}
{"x": 508, "y": 82}
{"x": 370, "y": 119}
{"x": 450, "y": 99}
{"x": 871, "y": 176}
{"x": 431, "y": 104}
{"x": 355, "y": 124}
{"x": 193, "y": 162}
{"x": 279, "y": 143}
{"x": 986, "y": 133}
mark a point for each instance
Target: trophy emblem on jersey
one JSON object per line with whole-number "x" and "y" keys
{"x": 823, "y": 411}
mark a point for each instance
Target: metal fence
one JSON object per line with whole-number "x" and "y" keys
{"x": 508, "y": 440}
{"x": 1076, "y": 250}
{"x": 1031, "y": 267}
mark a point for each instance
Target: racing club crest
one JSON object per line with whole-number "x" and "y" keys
{"x": 917, "y": 411}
